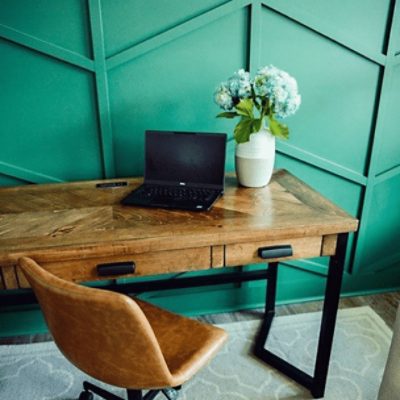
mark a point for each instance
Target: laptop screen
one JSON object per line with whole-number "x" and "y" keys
{"x": 185, "y": 157}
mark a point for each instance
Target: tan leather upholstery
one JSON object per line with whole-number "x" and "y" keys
{"x": 118, "y": 340}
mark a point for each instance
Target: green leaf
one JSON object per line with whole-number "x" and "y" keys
{"x": 278, "y": 129}
{"x": 231, "y": 114}
{"x": 245, "y": 108}
{"x": 243, "y": 129}
{"x": 256, "y": 125}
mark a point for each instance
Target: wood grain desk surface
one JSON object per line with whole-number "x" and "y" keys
{"x": 72, "y": 227}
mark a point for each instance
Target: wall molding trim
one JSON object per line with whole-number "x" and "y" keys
{"x": 46, "y": 48}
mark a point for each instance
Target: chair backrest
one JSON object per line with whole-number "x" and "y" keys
{"x": 103, "y": 333}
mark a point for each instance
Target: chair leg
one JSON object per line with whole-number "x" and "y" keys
{"x": 134, "y": 394}
{"x": 89, "y": 387}
{"x": 150, "y": 395}
{"x": 171, "y": 393}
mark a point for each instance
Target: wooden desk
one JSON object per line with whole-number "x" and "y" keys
{"x": 71, "y": 228}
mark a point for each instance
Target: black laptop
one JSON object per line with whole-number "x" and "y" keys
{"x": 183, "y": 170}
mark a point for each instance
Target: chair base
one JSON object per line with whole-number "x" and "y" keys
{"x": 90, "y": 388}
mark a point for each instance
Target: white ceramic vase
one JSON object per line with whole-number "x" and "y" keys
{"x": 255, "y": 159}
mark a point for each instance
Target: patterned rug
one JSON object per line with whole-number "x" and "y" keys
{"x": 40, "y": 372}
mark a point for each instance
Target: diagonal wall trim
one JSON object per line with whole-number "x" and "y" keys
{"x": 102, "y": 98}
{"x": 175, "y": 32}
{"x": 336, "y": 35}
{"x": 391, "y": 261}
{"x": 310, "y": 266}
{"x": 385, "y": 175}
{"x": 45, "y": 47}
{"x": 320, "y": 162}
{"x": 26, "y": 175}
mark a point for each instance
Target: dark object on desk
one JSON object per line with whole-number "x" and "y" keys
{"x": 110, "y": 185}
{"x": 122, "y": 341}
{"x": 183, "y": 170}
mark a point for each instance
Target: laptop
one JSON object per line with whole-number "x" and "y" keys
{"x": 183, "y": 170}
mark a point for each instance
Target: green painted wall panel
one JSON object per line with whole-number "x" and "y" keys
{"x": 389, "y": 154}
{"x": 383, "y": 231}
{"x": 337, "y": 86}
{"x": 61, "y": 22}
{"x": 127, "y": 23}
{"x": 48, "y": 117}
{"x": 361, "y": 21}
{"x": 172, "y": 88}
{"x": 9, "y": 181}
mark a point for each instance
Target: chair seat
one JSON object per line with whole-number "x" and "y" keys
{"x": 187, "y": 344}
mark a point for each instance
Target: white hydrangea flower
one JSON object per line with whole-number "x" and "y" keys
{"x": 273, "y": 94}
{"x": 222, "y": 97}
{"x": 240, "y": 85}
{"x": 280, "y": 88}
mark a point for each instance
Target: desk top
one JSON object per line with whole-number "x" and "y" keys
{"x": 74, "y": 220}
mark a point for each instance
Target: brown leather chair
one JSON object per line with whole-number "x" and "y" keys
{"x": 120, "y": 341}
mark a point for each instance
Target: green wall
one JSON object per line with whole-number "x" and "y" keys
{"x": 81, "y": 80}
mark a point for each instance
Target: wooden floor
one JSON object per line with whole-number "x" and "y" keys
{"x": 384, "y": 305}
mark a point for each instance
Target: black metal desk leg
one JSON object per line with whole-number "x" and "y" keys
{"x": 271, "y": 288}
{"x": 259, "y": 350}
{"x": 269, "y": 314}
{"x": 316, "y": 383}
{"x": 331, "y": 302}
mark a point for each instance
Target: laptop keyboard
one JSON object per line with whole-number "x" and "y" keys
{"x": 176, "y": 193}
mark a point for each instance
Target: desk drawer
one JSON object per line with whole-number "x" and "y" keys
{"x": 247, "y": 253}
{"x": 161, "y": 262}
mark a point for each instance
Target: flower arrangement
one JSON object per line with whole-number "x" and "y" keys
{"x": 271, "y": 95}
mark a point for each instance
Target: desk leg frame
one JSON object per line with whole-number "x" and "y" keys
{"x": 316, "y": 383}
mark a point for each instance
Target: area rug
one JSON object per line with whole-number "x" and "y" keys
{"x": 40, "y": 372}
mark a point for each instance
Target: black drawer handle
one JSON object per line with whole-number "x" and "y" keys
{"x": 275, "y": 251}
{"x": 116, "y": 268}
